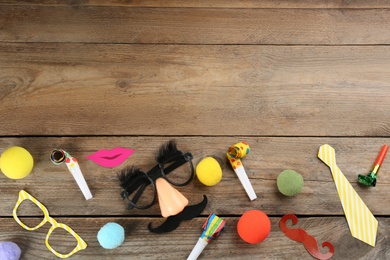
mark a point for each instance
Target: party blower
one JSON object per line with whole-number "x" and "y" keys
{"x": 370, "y": 179}
{"x": 212, "y": 228}
{"x": 235, "y": 153}
{"x": 60, "y": 156}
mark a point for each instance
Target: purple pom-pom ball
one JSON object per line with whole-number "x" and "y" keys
{"x": 9, "y": 251}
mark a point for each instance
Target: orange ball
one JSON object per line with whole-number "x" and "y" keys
{"x": 254, "y": 226}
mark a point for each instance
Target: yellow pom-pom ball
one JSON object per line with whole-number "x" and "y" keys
{"x": 209, "y": 171}
{"x": 16, "y": 162}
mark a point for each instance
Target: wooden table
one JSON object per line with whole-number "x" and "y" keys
{"x": 284, "y": 77}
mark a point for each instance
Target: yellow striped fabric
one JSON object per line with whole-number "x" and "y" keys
{"x": 23, "y": 195}
{"x": 361, "y": 221}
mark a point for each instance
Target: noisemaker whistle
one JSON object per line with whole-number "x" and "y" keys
{"x": 60, "y": 156}
{"x": 212, "y": 228}
{"x": 370, "y": 179}
{"x": 234, "y": 154}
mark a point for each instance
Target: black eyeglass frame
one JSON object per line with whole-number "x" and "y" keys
{"x": 140, "y": 183}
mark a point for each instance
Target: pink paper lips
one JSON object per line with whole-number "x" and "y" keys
{"x": 110, "y": 158}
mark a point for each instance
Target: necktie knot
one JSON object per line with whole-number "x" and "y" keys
{"x": 327, "y": 154}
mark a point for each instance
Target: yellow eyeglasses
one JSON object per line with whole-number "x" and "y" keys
{"x": 23, "y": 195}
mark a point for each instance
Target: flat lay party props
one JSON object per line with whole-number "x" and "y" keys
{"x": 9, "y": 251}
{"x": 110, "y": 158}
{"x": 60, "y": 156}
{"x": 235, "y": 154}
{"x": 300, "y": 235}
{"x": 212, "y": 228}
{"x": 16, "y": 162}
{"x": 254, "y": 226}
{"x": 111, "y": 235}
{"x": 289, "y": 182}
{"x": 23, "y": 195}
{"x": 370, "y": 179}
{"x": 209, "y": 171}
{"x": 362, "y": 223}
{"x": 188, "y": 213}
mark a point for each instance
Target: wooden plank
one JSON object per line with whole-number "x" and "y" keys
{"x": 95, "y": 24}
{"x": 45, "y": 89}
{"x": 56, "y": 189}
{"x": 140, "y": 243}
{"x": 211, "y": 4}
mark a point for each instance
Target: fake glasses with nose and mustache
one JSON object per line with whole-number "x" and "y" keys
{"x": 139, "y": 188}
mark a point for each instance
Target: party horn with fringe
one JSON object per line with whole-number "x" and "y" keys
{"x": 212, "y": 228}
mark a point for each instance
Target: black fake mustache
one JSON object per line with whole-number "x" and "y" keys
{"x": 173, "y": 222}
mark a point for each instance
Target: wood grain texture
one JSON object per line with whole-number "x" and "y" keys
{"x": 211, "y": 4}
{"x": 140, "y": 243}
{"x": 54, "y": 185}
{"x": 77, "y": 89}
{"x": 285, "y": 76}
{"x": 92, "y": 24}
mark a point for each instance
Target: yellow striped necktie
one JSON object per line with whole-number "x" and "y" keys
{"x": 361, "y": 221}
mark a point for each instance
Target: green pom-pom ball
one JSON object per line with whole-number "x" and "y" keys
{"x": 289, "y": 182}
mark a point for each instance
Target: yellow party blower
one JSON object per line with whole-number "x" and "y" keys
{"x": 235, "y": 153}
